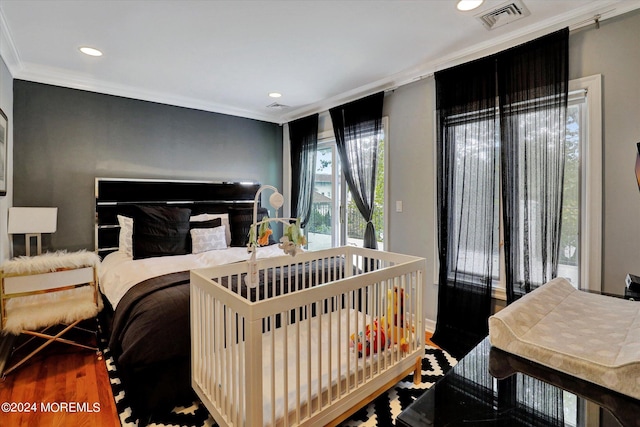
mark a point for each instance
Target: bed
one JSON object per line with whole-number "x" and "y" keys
{"x": 319, "y": 334}
{"x": 147, "y": 298}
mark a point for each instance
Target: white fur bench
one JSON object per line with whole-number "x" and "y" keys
{"x": 49, "y": 289}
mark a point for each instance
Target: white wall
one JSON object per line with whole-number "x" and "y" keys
{"x": 613, "y": 51}
{"x": 6, "y": 104}
{"x": 410, "y": 176}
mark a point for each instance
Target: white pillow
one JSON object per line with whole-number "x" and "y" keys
{"x": 208, "y": 239}
{"x": 125, "y": 240}
{"x": 207, "y": 217}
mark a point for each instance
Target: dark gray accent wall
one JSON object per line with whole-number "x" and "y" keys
{"x": 64, "y": 138}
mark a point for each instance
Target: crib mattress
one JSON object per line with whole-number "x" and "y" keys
{"x": 589, "y": 336}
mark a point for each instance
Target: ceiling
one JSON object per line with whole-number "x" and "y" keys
{"x": 226, "y": 56}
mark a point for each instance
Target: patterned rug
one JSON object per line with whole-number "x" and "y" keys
{"x": 380, "y": 412}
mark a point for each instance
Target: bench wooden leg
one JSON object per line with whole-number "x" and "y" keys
{"x": 51, "y": 339}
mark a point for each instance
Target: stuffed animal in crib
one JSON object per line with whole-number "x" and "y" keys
{"x": 395, "y": 315}
{"x": 364, "y": 344}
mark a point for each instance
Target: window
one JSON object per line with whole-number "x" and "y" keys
{"x": 335, "y": 220}
{"x": 322, "y": 229}
{"x": 580, "y": 240}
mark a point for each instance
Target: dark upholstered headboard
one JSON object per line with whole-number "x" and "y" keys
{"x": 117, "y": 196}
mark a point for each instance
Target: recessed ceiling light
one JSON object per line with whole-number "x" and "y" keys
{"x": 275, "y": 95}
{"x": 465, "y": 5}
{"x": 90, "y": 51}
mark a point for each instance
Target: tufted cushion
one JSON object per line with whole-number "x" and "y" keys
{"x": 590, "y": 336}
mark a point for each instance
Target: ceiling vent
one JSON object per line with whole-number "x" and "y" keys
{"x": 277, "y": 106}
{"x": 503, "y": 14}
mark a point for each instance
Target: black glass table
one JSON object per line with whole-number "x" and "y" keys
{"x": 490, "y": 387}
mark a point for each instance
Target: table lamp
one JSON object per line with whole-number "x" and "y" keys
{"x": 32, "y": 222}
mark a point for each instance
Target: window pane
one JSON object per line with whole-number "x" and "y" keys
{"x": 476, "y": 200}
{"x": 539, "y": 153}
{"x": 570, "y": 237}
{"x": 319, "y": 230}
{"x": 356, "y": 224}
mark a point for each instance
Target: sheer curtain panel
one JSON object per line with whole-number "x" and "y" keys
{"x": 533, "y": 83}
{"x": 303, "y": 135}
{"x": 467, "y": 157}
{"x": 357, "y": 127}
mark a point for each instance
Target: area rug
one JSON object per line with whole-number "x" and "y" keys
{"x": 380, "y": 412}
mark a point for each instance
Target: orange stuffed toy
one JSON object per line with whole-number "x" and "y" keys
{"x": 365, "y": 344}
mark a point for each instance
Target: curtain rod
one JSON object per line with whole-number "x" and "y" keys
{"x": 579, "y": 25}
{"x": 595, "y": 20}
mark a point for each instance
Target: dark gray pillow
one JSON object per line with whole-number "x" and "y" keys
{"x": 240, "y": 220}
{"x": 160, "y": 231}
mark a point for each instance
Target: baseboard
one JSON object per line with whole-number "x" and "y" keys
{"x": 430, "y": 325}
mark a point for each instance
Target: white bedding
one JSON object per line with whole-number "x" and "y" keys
{"x": 119, "y": 272}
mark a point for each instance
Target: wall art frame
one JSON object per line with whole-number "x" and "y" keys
{"x": 4, "y": 151}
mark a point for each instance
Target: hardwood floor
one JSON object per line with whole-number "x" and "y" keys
{"x": 427, "y": 337}
{"x": 62, "y": 386}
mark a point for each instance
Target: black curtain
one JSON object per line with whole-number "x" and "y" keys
{"x": 357, "y": 127}
{"x": 533, "y": 83}
{"x": 516, "y": 142}
{"x": 467, "y": 158}
{"x": 303, "y": 135}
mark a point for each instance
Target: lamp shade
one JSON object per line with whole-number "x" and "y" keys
{"x": 32, "y": 220}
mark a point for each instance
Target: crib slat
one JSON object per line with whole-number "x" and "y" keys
{"x": 329, "y": 358}
{"x": 363, "y": 312}
{"x": 273, "y": 371}
{"x": 348, "y": 373}
{"x": 208, "y": 343}
{"x": 253, "y": 368}
{"x": 242, "y": 378}
{"x": 285, "y": 367}
{"x": 341, "y": 337}
{"x": 298, "y": 368}
{"x": 228, "y": 375}
{"x": 308, "y": 307}
{"x": 319, "y": 353}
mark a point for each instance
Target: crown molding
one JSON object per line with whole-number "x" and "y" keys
{"x": 574, "y": 19}
{"x": 8, "y": 50}
{"x": 65, "y": 78}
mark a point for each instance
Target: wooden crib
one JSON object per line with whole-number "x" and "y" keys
{"x": 322, "y": 335}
